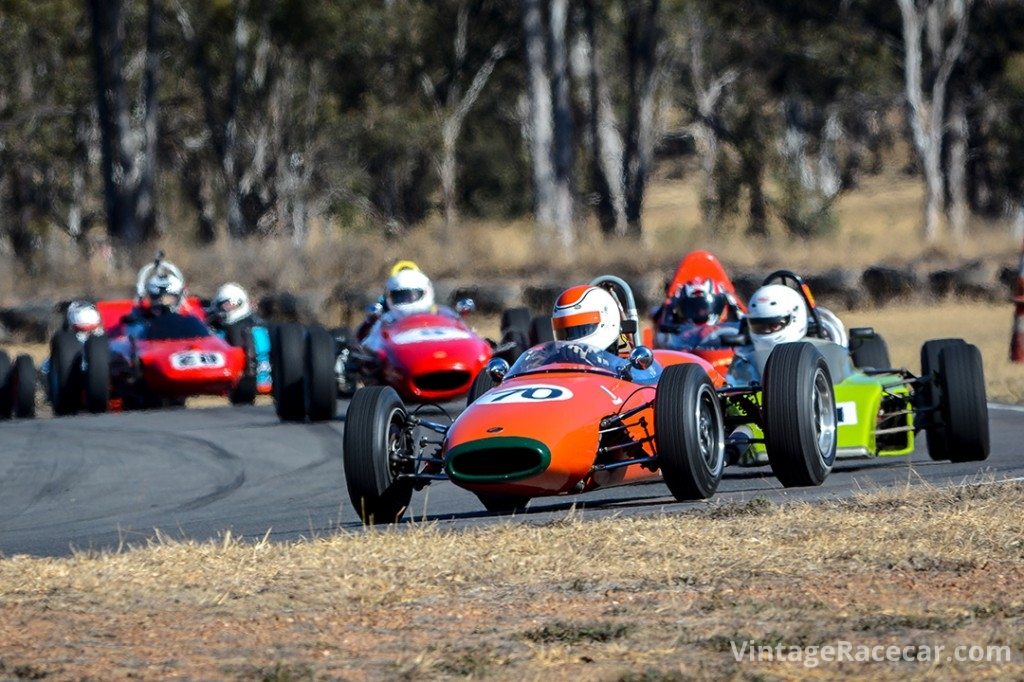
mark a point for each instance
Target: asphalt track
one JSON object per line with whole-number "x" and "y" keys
{"x": 97, "y": 482}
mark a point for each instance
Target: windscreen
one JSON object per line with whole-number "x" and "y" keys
{"x": 173, "y": 327}
{"x": 566, "y": 352}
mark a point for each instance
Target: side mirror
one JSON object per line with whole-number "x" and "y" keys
{"x": 862, "y": 333}
{"x": 497, "y": 369}
{"x": 733, "y": 340}
{"x": 464, "y": 306}
{"x": 641, "y": 358}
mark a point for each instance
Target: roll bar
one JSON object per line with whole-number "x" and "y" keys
{"x": 624, "y": 294}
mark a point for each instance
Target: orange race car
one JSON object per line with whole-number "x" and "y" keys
{"x": 566, "y": 418}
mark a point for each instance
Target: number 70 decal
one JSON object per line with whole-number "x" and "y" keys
{"x": 533, "y": 393}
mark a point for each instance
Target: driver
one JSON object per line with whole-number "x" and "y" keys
{"x": 407, "y": 291}
{"x": 590, "y": 319}
{"x": 160, "y": 288}
{"x": 776, "y": 314}
{"x": 230, "y": 307}
{"x": 84, "y": 320}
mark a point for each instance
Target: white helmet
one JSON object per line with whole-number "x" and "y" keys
{"x": 587, "y": 315}
{"x": 776, "y": 314}
{"x": 165, "y": 288}
{"x": 83, "y": 318}
{"x": 409, "y": 292}
{"x": 231, "y": 304}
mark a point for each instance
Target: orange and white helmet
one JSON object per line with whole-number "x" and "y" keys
{"x": 587, "y": 315}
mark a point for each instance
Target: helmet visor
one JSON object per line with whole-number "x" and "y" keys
{"x": 695, "y": 308}
{"x": 768, "y": 325}
{"x": 575, "y": 332}
{"x": 403, "y": 296}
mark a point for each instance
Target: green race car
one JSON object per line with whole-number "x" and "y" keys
{"x": 878, "y": 409}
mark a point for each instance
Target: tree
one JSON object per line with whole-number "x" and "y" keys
{"x": 942, "y": 25}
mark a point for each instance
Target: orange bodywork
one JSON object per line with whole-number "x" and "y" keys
{"x": 546, "y": 426}
{"x": 701, "y": 264}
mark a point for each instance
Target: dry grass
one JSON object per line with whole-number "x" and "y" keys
{"x": 628, "y": 599}
{"x": 906, "y": 327}
{"x": 878, "y": 222}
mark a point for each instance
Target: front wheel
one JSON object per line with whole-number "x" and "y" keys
{"x": 319, "y": 385}
{"x": 930, "y": 397}
{"x": 377, "y": 450}
{"x": 65, "y": 373}
{"x": 689, "y": 432}
{"x": 96, "y": 374}
{"x": 287, "y": 361}
{"x": 870, "y": 353}
{"x": 799, "y": 415}
{"x": 23, "y": 387}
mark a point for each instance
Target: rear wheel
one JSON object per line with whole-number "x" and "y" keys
{"x": 376, "y": 443}
{"x": 6, "y": 396}
{"x": 540, "y": 330}
{"x": 964, "y": 409}
{"x": 287, "y": 361}
{"x": 930, "y": 397}
{"x": 870, "y": 353}
{"x": 96, "y": 374}
{"x": 319, "y": 385}
{"x": 23, "y": 387}
{"x": 799, "y": 415}
{"x": 515, "y": 328}
{"x": 689, "y": 432}
{"x": 65, "y": 373}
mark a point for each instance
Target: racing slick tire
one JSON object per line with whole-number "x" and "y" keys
{"x": 287, "y": 352}
{"x": 540, "y": 330}
{"x": 689, "y": 432}
{"x": 929, "y": 397}
{"x": 244, "y": 393}
{"x": 964, "y": 409}
{"x": 65, "y": 373}
{"x": 515, "y": 328}
{"x": 22, "y": 383}
{"x": 800, "y": 422}
{"x": 481, "y": 385}
{"x": 96, "y": 374}
{"x": 6, "y": 396}
{"x": 319, "y": 385}
{"x": 497, "y": 503}
{"x": 374, "y": 434}
{"x": 870, "y": 353}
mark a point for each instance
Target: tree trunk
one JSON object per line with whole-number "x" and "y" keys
{"x": 642, "y": 44}
{"x": 117, "y": 167}
{"x": 562, "y": 150}
{"x": 957, "y": 169}
{"x": 145, "y": 204}
{"x": 540, "y": 126}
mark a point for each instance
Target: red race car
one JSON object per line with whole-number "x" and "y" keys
{"x": 141, "y": 360}
{"x": 701, "y": 307}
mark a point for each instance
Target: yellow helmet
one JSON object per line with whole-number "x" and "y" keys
{"x": 403, "y": 265}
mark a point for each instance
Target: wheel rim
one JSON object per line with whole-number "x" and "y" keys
{"x": 824, "y": 414}
{"x": 710, "y": 435}
{"x": 397, "y": 441}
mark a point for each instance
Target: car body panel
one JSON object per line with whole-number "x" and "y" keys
{"x": 560, "y": 406}
{"x": 430, "y": 357}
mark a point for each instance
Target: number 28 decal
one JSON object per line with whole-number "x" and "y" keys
{"x": 532, "y": 393}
